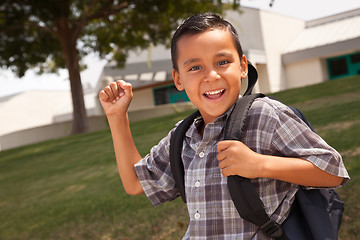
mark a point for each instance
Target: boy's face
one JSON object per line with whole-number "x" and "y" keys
{"x": 210, "y": 71}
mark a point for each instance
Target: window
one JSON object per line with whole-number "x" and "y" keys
{"x": 161, "y": 96}
{"x": 344, "y": 66}
{"x": 338, "y": 67}
{"x": 169, "y": 94}
{"x": 355, "y": 58}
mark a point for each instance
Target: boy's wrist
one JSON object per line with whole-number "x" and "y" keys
{"x": 117, "y": 118}
{"x": 264, "y": 166}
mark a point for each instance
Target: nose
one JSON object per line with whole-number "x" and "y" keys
{"x": 212, "y": 75}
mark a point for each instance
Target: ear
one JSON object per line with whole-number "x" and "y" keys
{"x": 176, "y": 78}
{"x": 244, "y": 67}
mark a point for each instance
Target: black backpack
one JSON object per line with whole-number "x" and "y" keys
{"x": 315, "y": 214}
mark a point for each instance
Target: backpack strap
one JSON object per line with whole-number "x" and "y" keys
{"x": 176, "y": 143}
{"x": 177, "y": 138}
{"x": 242, "y": 191}
{"x": 236, "y": 121}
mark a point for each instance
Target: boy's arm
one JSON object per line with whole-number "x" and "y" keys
{"x": 115, "y": 100}
{"x": 235, "y": 158}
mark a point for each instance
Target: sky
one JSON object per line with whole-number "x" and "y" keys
{"x": 302, "y": 9}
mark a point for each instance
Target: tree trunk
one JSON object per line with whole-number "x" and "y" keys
{"x": 70, "y": 53}
{"x": 80, "y": 121}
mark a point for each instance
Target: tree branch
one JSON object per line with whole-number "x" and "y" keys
{"x": 42, "y": 28}
{"x": 107, "y": 10}
{"x": 83, "y": 19}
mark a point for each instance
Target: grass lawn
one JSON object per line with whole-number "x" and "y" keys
{"x": 70, "y": 189}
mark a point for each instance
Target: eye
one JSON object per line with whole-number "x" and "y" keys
{"x": 194, "y": 68}
{"x": 223, "y": 62}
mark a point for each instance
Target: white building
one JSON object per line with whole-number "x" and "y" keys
{"x": 287, "y": 52}
{"x": 35, "y": 116}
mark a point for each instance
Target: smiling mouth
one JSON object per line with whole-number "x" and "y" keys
{"x": 214, "y": 94}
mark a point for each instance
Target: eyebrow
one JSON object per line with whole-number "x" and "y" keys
{"x": 191, "y": 60}
{"x": 224, "y": 54}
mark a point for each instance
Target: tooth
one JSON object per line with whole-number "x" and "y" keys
{"x": 214, "y": 92}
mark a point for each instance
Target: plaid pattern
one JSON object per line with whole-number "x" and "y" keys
{"x": 272, "y": 129}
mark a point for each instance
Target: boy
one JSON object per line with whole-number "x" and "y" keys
{"x": 279, "y": 152}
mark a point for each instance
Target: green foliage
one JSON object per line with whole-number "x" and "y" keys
{"x": 52, "y": 34}
{"x": 70, "y": 188}
{"x": 31, "y": 31}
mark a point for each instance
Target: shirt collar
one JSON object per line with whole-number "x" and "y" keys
{"x": 219, "y": 120}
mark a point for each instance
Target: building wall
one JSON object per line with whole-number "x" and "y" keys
{"x": 62, "y": 129}
{"x": 46, "y": 132}
{"x": 248, "y": 26}
{"x": 263, "y": 79}
{"x": 143, "y": 99}
{"x": 275, "y": 41}
{"x": 305, "y": 73}
{"x": 33, "y": 108}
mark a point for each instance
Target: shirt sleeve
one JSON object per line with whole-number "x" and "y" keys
{"x": 154, "y": 173}
{"x": 287, "y": 135}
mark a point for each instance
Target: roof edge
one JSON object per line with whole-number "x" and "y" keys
{"x": 321, "y": 51}
{"x": 332, "y": 18}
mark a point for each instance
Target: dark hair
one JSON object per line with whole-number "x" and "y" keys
{"x": 199, "y": 23}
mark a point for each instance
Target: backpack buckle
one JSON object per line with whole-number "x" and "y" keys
{"x": 272, "y": 229}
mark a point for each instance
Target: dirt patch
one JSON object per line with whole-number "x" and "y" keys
{"x": 74, "y": 188}
{"x": 351, "y": 153}
{"x": 338, "y": 126}
{"x": 328, "y": 101}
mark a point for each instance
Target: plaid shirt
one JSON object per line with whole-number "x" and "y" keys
{"x": 271, "y": 129}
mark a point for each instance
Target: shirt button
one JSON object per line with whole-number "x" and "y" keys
{"x": 201, "y": 154}
{"x": 197, "y": 184}
{"x": 197, "y": 215}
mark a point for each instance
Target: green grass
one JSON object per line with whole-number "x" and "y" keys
{"x": 70, "y": 189}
